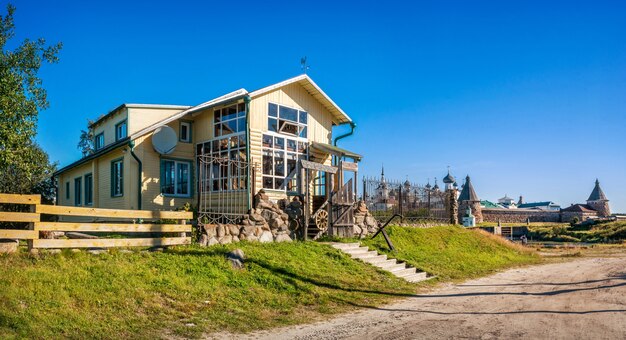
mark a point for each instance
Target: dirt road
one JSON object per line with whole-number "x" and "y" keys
{"x": 582, "y": 299}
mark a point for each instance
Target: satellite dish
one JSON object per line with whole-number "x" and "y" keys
{"x": 164, "y": 140}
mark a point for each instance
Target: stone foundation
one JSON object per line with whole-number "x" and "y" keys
{"x": 265, "y": 223}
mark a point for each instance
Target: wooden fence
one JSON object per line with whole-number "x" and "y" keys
{"x": 120, "y": 225}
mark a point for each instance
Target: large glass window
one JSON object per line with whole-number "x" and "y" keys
{"x": 228, "y": 163}
{"x": 286, "y": 120}
{"x": 227, "y": 167}
{"x": 229, "y": 120}
{"x": 120, "y": 130}
{"x": 88, "y": 189}
{"x": 117, "y": 178}
{"x": 281, "y": 166}
{"x": 176, "y": 177}
{"x": 77, "y": 189}
{"x": 99, "y": 141}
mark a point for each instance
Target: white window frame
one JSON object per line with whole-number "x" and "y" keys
{"x": 118, "y": 134}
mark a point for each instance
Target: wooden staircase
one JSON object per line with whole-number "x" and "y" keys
{"x": 398, "y": 269}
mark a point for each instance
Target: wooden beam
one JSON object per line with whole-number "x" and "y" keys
{"x": 112, "y": 227}
{"x": 110, "y": 243}
{"x": 113, "y": 213}
{"x": 19, "y": 234}
{"x": 6, "y": 216}
{"x": 20, "y": 199}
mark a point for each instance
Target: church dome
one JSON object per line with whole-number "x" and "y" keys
{"x": 449, "y": 179}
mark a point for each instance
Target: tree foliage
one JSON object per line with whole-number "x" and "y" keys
{"x": 24, "y": 166}
{"x": 86, "y": 143}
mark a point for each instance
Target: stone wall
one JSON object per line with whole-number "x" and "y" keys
{"x": 265, "y": 223}
{"x": 520, "y": 215}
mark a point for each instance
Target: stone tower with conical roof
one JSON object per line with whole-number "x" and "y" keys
{"x": 597, "y": 200}
{"x": 469, "y": 199}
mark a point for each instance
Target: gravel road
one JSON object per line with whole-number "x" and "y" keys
{"x": 581, "y": 299}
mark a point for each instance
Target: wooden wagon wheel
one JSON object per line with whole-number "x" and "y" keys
{"x": 321, "y": 220}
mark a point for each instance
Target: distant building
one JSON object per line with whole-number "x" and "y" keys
{"x": 546, "y": 205}
{"x": 507, "y": 202}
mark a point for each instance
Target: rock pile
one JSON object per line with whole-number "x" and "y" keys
{"x": 364, "y": 223}
{"x": 266, "y": 222}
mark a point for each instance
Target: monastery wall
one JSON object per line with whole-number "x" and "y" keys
{"x": 520, "y": 215}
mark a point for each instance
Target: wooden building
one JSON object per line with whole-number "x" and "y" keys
{"x": 225, "y": 150}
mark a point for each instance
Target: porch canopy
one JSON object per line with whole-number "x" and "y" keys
{"x": 335, "y": 151}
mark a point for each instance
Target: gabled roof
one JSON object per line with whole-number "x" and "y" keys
{"x": 597, "y": 194}
{"x": 235, "y": 95}
{"x": 339, "y": 117}
{"x": 468, "y": 193}
{"x": 579, "y": 208}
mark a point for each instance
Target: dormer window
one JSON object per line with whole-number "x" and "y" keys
{"x": 99, "y": 141}
{"x": 120, "y": 130}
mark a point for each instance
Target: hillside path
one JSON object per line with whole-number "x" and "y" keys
{"x": 581, "y": 299}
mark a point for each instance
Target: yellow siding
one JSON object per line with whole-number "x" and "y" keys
{"x": 203, "y": 126}
{"x": 140, "y": 118}
{"x": 104, "y": 181}
{"x": 69, "y": 176}
{"x": 319, "y": 125}
{"x": 151, "y": 160}
{"x": 108, "y": 126}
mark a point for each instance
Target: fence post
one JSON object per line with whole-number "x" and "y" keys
{"x": 33, "y": 226}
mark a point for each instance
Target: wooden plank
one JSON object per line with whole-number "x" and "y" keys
{"x": 19, "y": 234}
{"x": 318, "y": 166}
{"x": 112, "y": 227}
{"x": 113, "y": 213}
{"x": 350, "y": 166}
{"x": 6, "y": 216}
{"x": 20, "y": 199}
{"x": 110, "y": 243}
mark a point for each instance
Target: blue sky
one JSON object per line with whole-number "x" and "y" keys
{"x": 527, "y": 98}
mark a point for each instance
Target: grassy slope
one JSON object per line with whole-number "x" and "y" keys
{"x": 453, "y": 252}
{"x": 143, "y": 295}
{"x": 599, "y": 232}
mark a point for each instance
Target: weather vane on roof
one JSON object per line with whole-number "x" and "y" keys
{"x": 303, "y": 65}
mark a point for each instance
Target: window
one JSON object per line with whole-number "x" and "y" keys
{"x": 228, "y": 168}
{"x": 286, "y": 120}
{"x": 99, "y": 141}
{"x": 67, "y": 191}
{"x": 77, "y": 189}
{"x": 184, "y": 135}
{"x": 117, "y": 178}
{"x": 281, "y": 164}
{"x": 120, "y": 130}
{"x": 88, "y": 189}
{"x": 175, "y": 178}
{"x": 229, "y": 120}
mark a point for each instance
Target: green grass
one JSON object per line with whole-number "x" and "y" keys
{"x": 451, "y": 252}
{"x": 183, "y": 292}
{"x": 604, "y": 231}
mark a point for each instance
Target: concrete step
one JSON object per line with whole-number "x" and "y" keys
{"x": 354, "y": 251}
{"x": 375, "y": 260}
{"x": 399, "y": 269}
{"x": 343, "y": 246}
{"x": 392, "y": 268}
{"x": 405, "y": 272}
{"x": 369, "y": 254}
{"x": 421, "y": 276}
